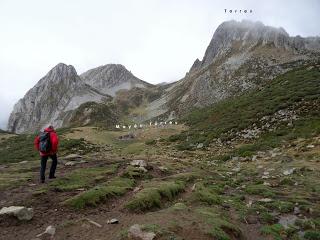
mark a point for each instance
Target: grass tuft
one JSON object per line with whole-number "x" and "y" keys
{"x": 152, "y": 196}
{"x": 100, "y": 193}
{"x": 82, "y": 178}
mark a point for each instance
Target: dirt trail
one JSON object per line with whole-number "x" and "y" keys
{"x": 71, "y": 224}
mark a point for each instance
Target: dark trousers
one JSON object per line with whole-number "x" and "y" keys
{"x": 44, "y": 164}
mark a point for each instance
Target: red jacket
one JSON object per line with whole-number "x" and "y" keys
{"x": 54, "y": 140}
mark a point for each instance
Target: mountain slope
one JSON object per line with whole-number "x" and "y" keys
{"x": 111, "y": 78}
{"x": 51, "y": 100}
{"x": 240, "y": 56}
{"x": 289, "y": 105}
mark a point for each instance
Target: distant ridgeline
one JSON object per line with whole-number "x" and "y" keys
{"x": 156, "y": 124}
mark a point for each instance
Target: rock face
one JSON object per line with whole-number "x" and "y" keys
{"x": 240, "y": 56}
{"x": 52, "y": 100}
{"x": 111, "y": 78}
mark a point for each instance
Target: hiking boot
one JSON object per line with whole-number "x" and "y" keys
{"x": 42, "y": 181}
{"x": 52, "y": 177}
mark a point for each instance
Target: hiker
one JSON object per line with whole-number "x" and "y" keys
{"x": 47, "y": 144}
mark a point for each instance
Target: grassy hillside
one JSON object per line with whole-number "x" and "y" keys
{"x": 298, "y": 90}
{"x": 95, "y": 114}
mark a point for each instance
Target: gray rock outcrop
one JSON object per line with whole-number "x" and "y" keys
{"x": 111, "y": 78}
{"x": 52, "y": 100}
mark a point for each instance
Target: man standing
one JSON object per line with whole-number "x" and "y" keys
{"x": 47, "y": 144}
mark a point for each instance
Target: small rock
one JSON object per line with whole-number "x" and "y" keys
{"x": 287, "y": 220}
{"x": 143, "y": 169}
{"x": 266, "y": 184}
{"x": 193, "y": 188}
{"x": 265, "y": 200}
{"x": 296, "y": 210}
{"x": 72, "y": 156}
{"x": 236, "y": 169}
{"x": 113, "y": 221}
{"x": 50, "y": 230}
{"x": 70, "y": 163}
{"x": 136, "y": 189}
{"x": 22, "y": 213}
{"x": 163, "y": 169}
{"x": 288, "y": 171}
{"x": 310, "y": 146}
{"x": 135, "y": 232}
{"x": 200, "y": 145}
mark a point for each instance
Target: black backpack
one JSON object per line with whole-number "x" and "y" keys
{"x": 45, "y": 144}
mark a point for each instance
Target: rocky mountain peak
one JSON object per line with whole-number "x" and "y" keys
{"x": 111, "y": 78}
{"x": 247, "y": 34}
{"x": 60, "y": 91}
{"x": 61, "y": 72}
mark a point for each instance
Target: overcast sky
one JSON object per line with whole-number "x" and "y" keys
{"x": 157, "y": 40}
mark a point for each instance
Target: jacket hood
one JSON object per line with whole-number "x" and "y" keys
{"x": 49, "y": 130}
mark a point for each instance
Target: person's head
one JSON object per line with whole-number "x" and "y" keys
{"x": 51, "y": 127}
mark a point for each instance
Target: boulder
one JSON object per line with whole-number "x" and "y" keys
{"x": 22, "y": 213}
{"x": 138, "y": 163}
{"x": 135, "y": 232}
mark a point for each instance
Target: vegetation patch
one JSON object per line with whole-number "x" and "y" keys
{"x": 207, "y": 194}
{"x": 134, "y": 172}
{"x": 297, "y": 86}
{"x": 260, "y": 189}
{"x": 312, "y": 235}
{"x": 281, "y": 206}
{"x": 18, "y": 148}
{"x": 151, "y": 142}
{"x": 92, "y": 197}
{"x": 220, "y": 227}
{"x": 82, "y": 178}
{"x": 276, "y": 230}
{"x": 154, "y": 193}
